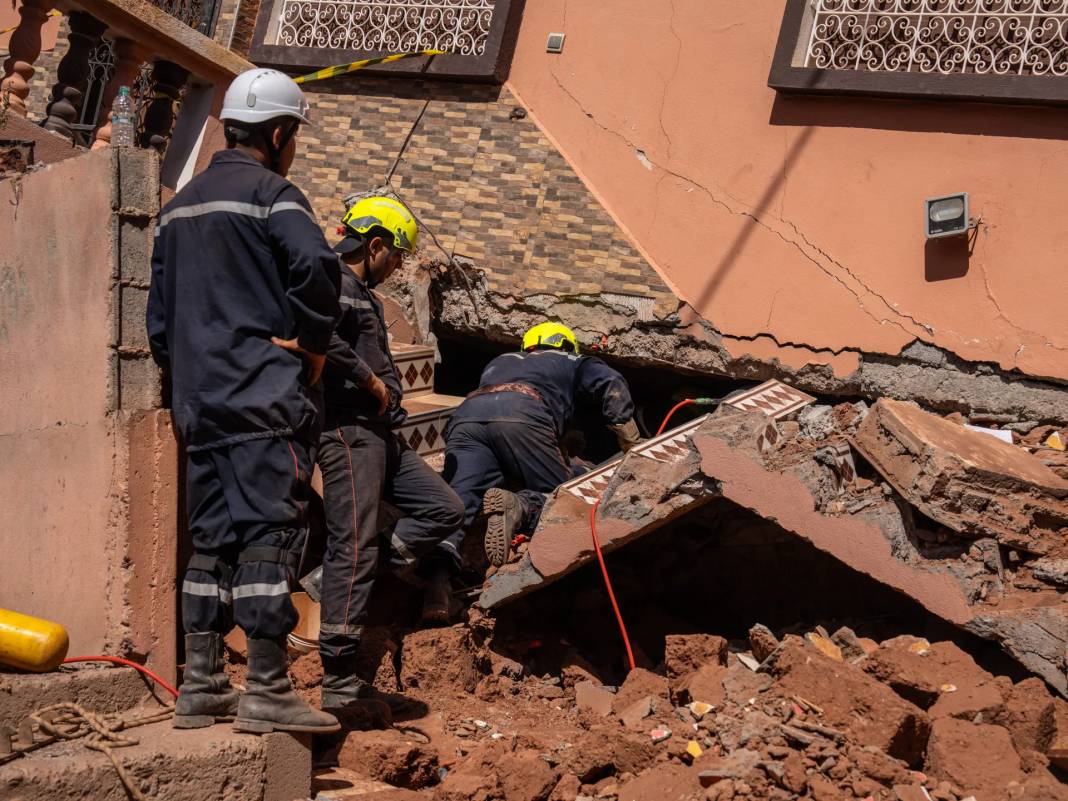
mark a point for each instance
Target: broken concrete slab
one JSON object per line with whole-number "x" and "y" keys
{"x": 975, "y": 485}
{"x": 722, "y": 457}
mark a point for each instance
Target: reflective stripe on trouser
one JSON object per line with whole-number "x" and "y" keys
{"x": 524, "y": 456}
{"x": 362, "y": 465}
{"x": 249, "y": 494}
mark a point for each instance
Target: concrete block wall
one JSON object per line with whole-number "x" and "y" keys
{"x": 88, "y": 522}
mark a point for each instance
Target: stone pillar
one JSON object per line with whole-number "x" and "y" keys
{"x": 23, "y": 49}
{"x": 73, "y": 73}
{"x": 167, "y": 81}
{"x": 129, "y": 56}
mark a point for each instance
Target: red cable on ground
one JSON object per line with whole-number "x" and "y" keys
{"x": 600, "y": 556}
{"x": 118, "y": 660}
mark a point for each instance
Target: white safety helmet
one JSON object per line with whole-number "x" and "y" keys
{"x": 259, "y": 95}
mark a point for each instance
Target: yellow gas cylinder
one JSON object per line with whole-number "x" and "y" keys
{"x": 29, "y": 643}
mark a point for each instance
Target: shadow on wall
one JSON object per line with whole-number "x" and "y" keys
{"x": 944, "y": 259}
{"x": 977, "y": 119}
{"x": 733, "y": 253}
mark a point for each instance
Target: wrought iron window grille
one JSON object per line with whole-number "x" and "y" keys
{"x": 987, "y": 50}
{"x": 456, "y": 26}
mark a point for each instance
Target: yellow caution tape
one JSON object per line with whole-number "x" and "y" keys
{"x": 52, "y": 13}
{"x": 345, "y": 69}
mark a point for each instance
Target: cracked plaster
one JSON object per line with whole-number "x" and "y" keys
{"x": 800, "y": 218}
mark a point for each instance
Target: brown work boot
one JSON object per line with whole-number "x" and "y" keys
{"x": 505, "y": 514}
{"x": 437, "y": 598}
{"x": 269, "y": 704}
{"x": 205, "y": 696}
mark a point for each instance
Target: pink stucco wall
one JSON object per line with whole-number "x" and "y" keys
{"x": 58, "y": 464}
{"x": 794, "y": 224}
{"x": 88, "y": 469}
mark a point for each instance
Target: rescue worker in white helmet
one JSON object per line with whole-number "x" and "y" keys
{"x": 242, "y": 304}
{"x": 363, "y": 459}
{"x": 502, "y": 453}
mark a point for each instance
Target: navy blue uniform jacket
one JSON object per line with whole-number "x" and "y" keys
{"x": 239, "y": 258}
{"x": 360, "y": 347}
{"x": 560, "y": 378}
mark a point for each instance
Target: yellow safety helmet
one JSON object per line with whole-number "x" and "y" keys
{"x": 383, "y": 212}
{"x": 550, "y": 335}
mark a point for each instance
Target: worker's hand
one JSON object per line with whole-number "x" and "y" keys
{"x": 313, "y": 362}
{"x": 627, "y": 435}
{"x": 376, "y": 387}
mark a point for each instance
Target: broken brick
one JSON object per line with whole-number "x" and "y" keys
{"x": 976, "y": 757}
{"x": 593, "y": 698}
{"x": 762, "y": 642}
{"x": 685, "y": 653}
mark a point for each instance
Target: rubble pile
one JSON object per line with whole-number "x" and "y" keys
{"x": 967, "y": 525}
{"x": 827, "y": 715}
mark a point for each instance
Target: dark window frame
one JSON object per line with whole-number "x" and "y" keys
{"x": 784, "y": 77}
{"x": 491, "y": 67}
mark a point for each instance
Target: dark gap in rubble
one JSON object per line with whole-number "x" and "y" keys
{"x": 719, "y": 570}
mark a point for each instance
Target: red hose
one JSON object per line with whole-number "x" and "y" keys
{"x": 118, "y": 660}
{"x": 675, "y": 408}
{"x": 608, "y": 583}
{"x": 600, "y": 556}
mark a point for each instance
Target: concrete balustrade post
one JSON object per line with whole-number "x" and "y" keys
{"x": 72, "y": 74}
{"x": 129, "y": 56}
{"x": 23, "y": 50}
{"x": 167, "y": 81}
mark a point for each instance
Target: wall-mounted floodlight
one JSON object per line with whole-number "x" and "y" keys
{"x": 946, "y": 216}
{"x": 555, "y": 43}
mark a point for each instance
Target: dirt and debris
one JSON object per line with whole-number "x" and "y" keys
{"x": 906, "y": 718}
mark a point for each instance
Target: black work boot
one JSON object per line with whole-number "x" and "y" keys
{"x": 269, "y": 704}
{"x": 342, "y": 689}
{"x": 505, "y": 514}
{"x": 205, "y": 696}
{"x": 437, "y": 597}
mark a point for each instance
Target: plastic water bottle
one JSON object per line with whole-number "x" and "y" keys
{"x": 122, "y": 119}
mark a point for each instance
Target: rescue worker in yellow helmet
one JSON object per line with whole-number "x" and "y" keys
{"x": 362, "y": 458}
{"x": 502, "y": 452}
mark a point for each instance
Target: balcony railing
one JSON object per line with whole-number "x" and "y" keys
{"x": 116, "y": 43}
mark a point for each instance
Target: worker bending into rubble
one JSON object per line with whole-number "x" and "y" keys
{"x": 362, "y": 457}
{"x": 242, "y": 304}
{"x": 507, "y": 432}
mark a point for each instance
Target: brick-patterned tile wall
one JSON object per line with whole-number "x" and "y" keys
{"x": 244, "y": 26}
{"x": 492, "y": 188}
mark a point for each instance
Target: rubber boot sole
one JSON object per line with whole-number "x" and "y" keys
{"x": 267, "y": 726}
{"x": 198, "y": 721}
{"x": 497, "y": 504}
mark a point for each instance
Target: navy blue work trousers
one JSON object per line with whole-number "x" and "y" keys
{"x": 521, "y": 456}
{"x": 363, "y": 465}
{"x": 250, "y": 495}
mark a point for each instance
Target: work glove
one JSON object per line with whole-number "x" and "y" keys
{"x": 627, "y": 434}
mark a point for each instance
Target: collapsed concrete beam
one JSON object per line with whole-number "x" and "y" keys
{"x": 970, "y": 482}
{"x": 724, "y": 456}
{"x": 683, "y": 341}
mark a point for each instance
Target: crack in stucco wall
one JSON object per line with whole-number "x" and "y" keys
{"x": 884, "y": 311}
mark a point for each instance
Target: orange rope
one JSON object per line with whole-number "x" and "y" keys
{"x": 118, "y": 660}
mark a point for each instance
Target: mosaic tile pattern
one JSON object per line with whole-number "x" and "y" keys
{"x": 774, "y": 398}
{"x": 490, "y": 186}
{"x": 415, "y": 363}
{"x": 665, "y": 448}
